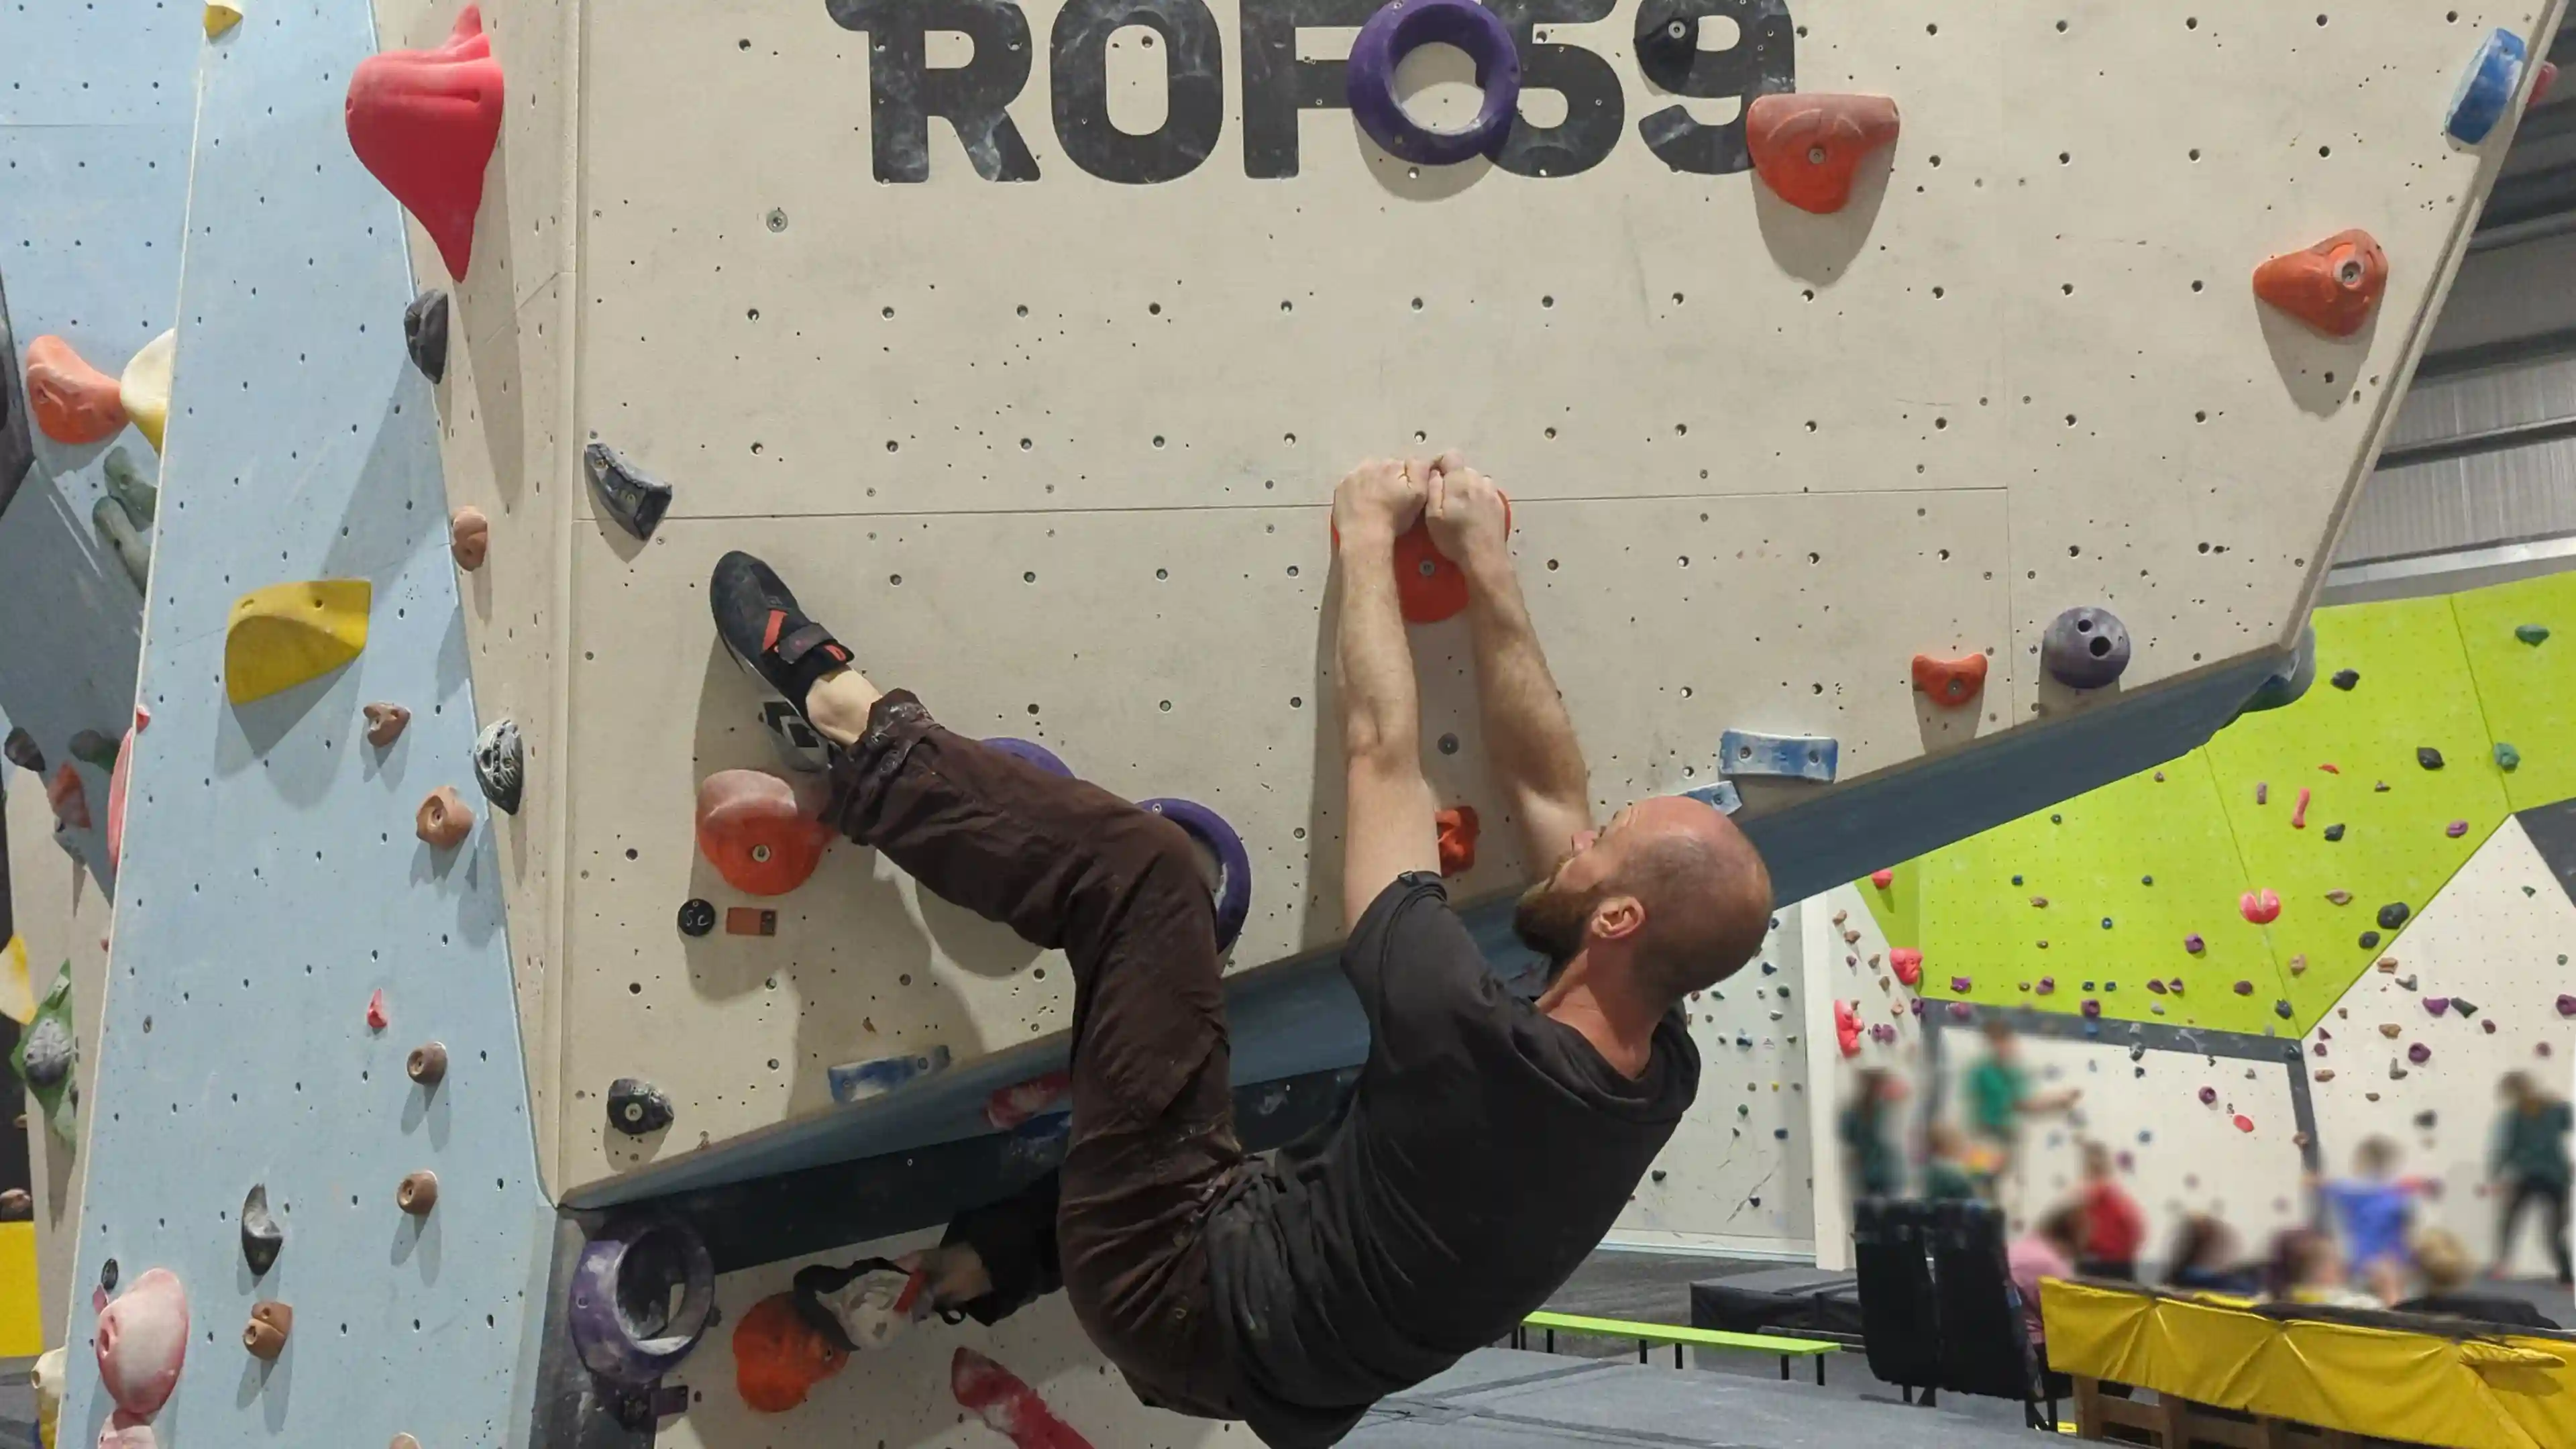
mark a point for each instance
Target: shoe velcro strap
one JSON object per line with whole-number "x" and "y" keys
{"x": 792, "y": 649}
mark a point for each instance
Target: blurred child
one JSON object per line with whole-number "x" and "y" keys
{"x": 1999, "y": 1094}
{"x": 2114, "y": 1228}
{"x": 2529, "y": 1164}
{"x": 2307, "y": 1267}
{"x": 2204, "y": 1259}
{"x": 2372, "y": 1208}
{"x": 2047, "y": 1251}
{"x": 1945, "y": 1171}
{"x": 1877, "y": 1169}
{"x": 2444, "y": 1262}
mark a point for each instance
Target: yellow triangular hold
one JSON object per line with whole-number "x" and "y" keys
{"x": 280, "y": 636}
{"x": 145, "y": 387}
{"x": 221, "y": 15}
{"x": 17, "y": 993}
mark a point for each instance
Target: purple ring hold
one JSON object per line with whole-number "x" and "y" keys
{"x": 1403, "y": 26}
{"x": 621, "y": 1290}
{"x": 1233, "y": 863}
{"x": 1033, "y": 752}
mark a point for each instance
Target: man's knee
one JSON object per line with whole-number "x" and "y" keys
{"x": 1163, "y": 864}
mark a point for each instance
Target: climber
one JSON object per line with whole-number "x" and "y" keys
{"x": 1488, "y": 1143}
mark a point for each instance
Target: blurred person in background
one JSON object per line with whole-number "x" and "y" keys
{"x": 2206, "y": 1258}
{"x": 2046, "y": 1251}
{"x": 2373, "y": 1210}
{"x": 1999, "y": 1095}
{"x": 2307, "y": 1267}
{"x": 1945, "y": 1170}
{"x": 2114, "y": 1228}
{"x": 2443, "y": 1263}
{"x": 2529, "y": 1164}
{"x": 1875, "y": 1167}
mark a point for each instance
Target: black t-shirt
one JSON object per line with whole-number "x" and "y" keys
{"x": 2493, "y": 1308}
{"x": 1481, "y": 1155}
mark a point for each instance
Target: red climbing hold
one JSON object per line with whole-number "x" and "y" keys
{"x": 73, "y": 402}
{"x": 377, "y": 1020}
{"x": 1005, "y": 1402}
{"x": 1950, "y": 682}
{"x": 1429, "y": 587}
{"x": 425, "y": 122}
{"x": 2244, "y": 1123}
{"x": 1806, "y": 147}
{"x": 1882, "y": 878}
{"x": 1908, "y": 963}
{"x": 2261, "y": 907}
{"x": 2541, "y": 83}
{"x": 2299, "y": 816}
{"x": 69, "y": 799}
{"x": 1847, "y": 1028}
{"x": 754, "y": 832}
{"x": 1014, "y": 1105}
{"x": 2333, "y": 286}
{"x": 1458, "y": 826}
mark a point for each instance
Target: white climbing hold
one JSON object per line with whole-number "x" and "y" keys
{"x": 142, "y": 1342}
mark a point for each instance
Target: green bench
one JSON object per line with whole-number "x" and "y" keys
{"x": 1680, "y": 1338}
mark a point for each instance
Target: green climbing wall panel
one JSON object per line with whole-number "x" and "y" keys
{"x": 2166, "y": 855}
{"x": 2528, "y": 690}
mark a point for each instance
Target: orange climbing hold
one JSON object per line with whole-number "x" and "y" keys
{"x": 73, "y": 402}
{"x": 1429, "y": 586}
{"x": 2333, "y": 286}
{"x": 69, "y": 799}
{"x": 756, "y": 835}
{"x": 1806, "y": 147}
{"x": 1458, "y": 825}
{"x": 425, "y": 122}
{"x": 1950, "y": 682}
{"x": 778, "y": 1357}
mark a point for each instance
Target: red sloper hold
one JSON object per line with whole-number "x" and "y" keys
{"x": 425, "y": 122}
{"x": 1950, "y": 682}
{"x": 2333, "y": 286}
{"x": 1458, "y": 827}
{"x": 1429, "y": 586}
{"x": 1005, "y": 1402}
{"x": 1806, "y": 147}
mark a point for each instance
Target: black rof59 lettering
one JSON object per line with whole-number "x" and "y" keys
{"x": 905, "y": 91}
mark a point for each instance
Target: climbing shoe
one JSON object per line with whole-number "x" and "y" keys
{"x": 866, "y": 1305}
{"x": 759, "y": 621}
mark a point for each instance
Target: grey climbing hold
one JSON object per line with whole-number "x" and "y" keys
{"x": 2282, "y": 1009}
{"x": 2340, "y": 897}
{"x": 49, "y": 1053}
{"x": 1786, "y": 757}
{"x": 2507, "y": 758}
{"x": 2406, "y": 982}
{"x": 425, "y": 333}
{"x": 93, "y": 749}
{"x": 2397, "y": 1069}
{"x": 127, "y": 485}
{"x": 261, "y": 1238}
{"x": 2393, "y": 915}
{"x": 2464, "y": 1006}
{"x": 636, "y": 1108}
{"x": 2426, "y": 1118}
{"x": 636, "y": 499}
{"x": 2085, "y": 648}
{"x": 2429, "y": 757}
{"x": 2345, "y": 679}
{"x": 499, "y": 765}
{"x": 21, "y": 751}
{"x": 117, "y": 530}
{"x": 2335, "y": 831}
{"x": 2533, "y": 634}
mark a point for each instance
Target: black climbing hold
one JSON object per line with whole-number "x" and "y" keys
{"x": 2425, "y": 1118}
{"x": 636, "y": 1108}
{"x": 2055, "y": 819}
{"x": 2016, "y": 880}
{"x": 1658, "y": 1174}
{"x": 261, "y": 1238}
{"x": 697, "y": 917}
{"x": 636, "y": 499}
{"x": 92, "y": 748}
{"x": 499, "y": 765}
{"x": 2281, "y": 1009}
{"x": 2429, "y": 757}
{"x": 2085, "y": 648}
{"x": 2146, "y": 880}
{"x": 425, "y": 333}
{"x": 107, "y": 1276}
{"x": 2464, "y": 1006}
{"x": 2393, "y": 915}
{"x": 2345, "y": 678}
{"x": 2334, "y": 832}
{"x": 2370, "y": 940}
{"x": 22, "y": 752}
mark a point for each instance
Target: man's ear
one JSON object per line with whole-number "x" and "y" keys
{"x": 1616, "y": 918}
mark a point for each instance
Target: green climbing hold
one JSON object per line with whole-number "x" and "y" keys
{"x": 2531, "y": 633}
{"x": 2508, "y": 759}
{"x": 46, "y": 1054}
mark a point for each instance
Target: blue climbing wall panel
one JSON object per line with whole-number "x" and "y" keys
{"x": 272, "y": 878}
{"x": 94, "y": 123}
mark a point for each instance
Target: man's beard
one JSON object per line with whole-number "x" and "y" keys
{"x": 1554, "y": 921}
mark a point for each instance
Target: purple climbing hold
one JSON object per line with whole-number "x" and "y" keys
{"x": 2047, "y": 984}
{"x": 2244, "y": 988}
{"x": 2194, "y": 944}
{"x": 2456, "y": 829}
{"x": 1917, "y": 1004}
{"x": 1233, "y": 888}
{"x": 2208, "y": 1096}
{"x": 2419, "y": 1054}
{"x": 2566, "y": 1004}
{"x": 622, "y": 1319}
{"x": 2155, "y": 986}
{"x": 1959, "y": 983}
{"x": 2092, "y": 1007}
{"x": 1031, "y": 751}
{"x": 1402, "y": 26}
{"x": 2437, "y": 1005}
{"x": 1961, "y": 1011}
{"x": 2262, "y": 793}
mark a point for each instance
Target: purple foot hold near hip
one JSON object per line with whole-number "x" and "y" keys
{"x": 1233, "y": 887}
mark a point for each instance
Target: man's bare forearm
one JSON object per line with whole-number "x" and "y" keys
{"x": 1529, "y": 737}
{"x": 1381, "y": 705}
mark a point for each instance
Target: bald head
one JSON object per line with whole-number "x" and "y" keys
{"x": 1671, "y": 888}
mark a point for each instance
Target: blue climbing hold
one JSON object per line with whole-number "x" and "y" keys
{"x": 2486, "y": 88}
{"x": 2508, "y": 759}
{"x": 1721, "y": 797}
{"x": 1785, "y": 757}
{"x": 859, "y": 1081}
{"x": 2532, "y": 634}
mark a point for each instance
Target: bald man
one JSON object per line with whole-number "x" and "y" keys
{"x": 1489, "y": 1141}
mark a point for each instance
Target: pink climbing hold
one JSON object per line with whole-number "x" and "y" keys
{"x": 116, "y": 779}
{"x": 2456, "y": 829}
{"x": 2244, "y": 1123}
{"x": 1006, "y": 1404}
{"x": 2488, "y": 1026}
{"x": 1961, "y": 1011}
{"x": 2047, "y": 985}
{"x": 2261, "y": 907}
{"x": 1014, "y": 1105}
{"x": 1847, "y": 1028}
{"x": 2438, "y": 1005}
{"x": 142, "y": 1342}
{"x": 1882, "y": 878}
{"x": 1908, "y": 963}
{"x": 2299, "y": 816}
{"x": 425, "y": 122}
{"x": 377, "y": 1020}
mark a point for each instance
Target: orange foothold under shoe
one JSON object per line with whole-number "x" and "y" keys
{"x": 73, "y": 402}
{"x": 754, "y": 832}
{"x": 1458, "y": 826}
{"x": 1950, "y": 682}
{"x": 469, "y": 538}
{"x": 2333, "y": 286}
{"x": 1806, "y": 147}
{"x": 444, "y": 818}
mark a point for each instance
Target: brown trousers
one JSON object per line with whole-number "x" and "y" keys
{"x": 1074, "y": 868}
